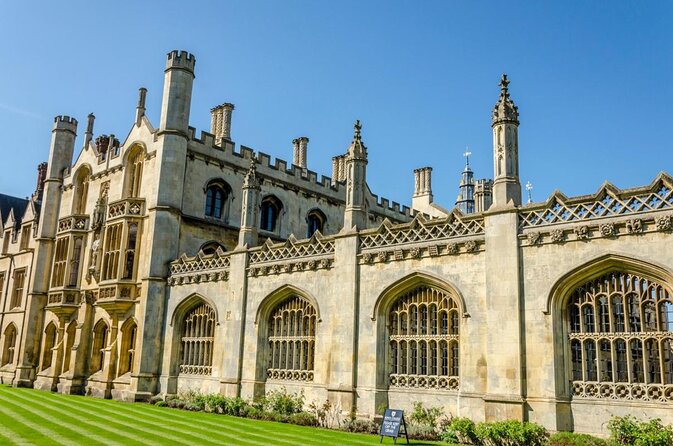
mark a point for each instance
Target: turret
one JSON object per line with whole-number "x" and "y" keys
{"x": 62, "y": 146}
{"x": 465, "y": 200}
{"x": 247, "y": 235}
{"x": 177, "y": 96}
{"x": 220, "y": 122}
{"x": 483, "y": 195}
{"x": 88, "y": 135}
{"x": 356, "y": 182}
{"x": 506, "y": 185}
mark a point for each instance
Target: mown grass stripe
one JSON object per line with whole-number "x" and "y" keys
{"x": 69, "y": 416}
{"x": 46, "y": 432}
{"x": 109, "y": 422}
{"x": 170, "y": 424}
{"x": 291, "y": 432}
{"x": 14, "y": 435}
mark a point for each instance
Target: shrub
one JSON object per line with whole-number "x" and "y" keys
{"x": 422, "y": 416}
{"x": 361, "y": 426}
{"x": 235, "y": 406}
{"x": 302, "y": 419}
{"x": 422, "y": 432}
{"x": 155, "y": 399}
{"x": 573, "y": 439}
{"x": 631, "y": 431}
{"x": 161, "y": 403}
{"x": 511, "y": 433}
{"x": 463, "y": 429}
{"x": 284, "y": 403}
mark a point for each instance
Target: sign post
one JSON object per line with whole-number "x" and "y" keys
{"x": 393, "y": 420}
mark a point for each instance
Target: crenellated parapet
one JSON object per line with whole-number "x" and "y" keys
{"x": 181, "y": 60}
{"x": 64, "y": 122}
{"x": 610, "y": 212}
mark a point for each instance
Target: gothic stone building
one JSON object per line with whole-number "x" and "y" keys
{"x": 169, "y": 262}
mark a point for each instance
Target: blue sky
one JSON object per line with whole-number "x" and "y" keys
{"x": 593, "y": 82}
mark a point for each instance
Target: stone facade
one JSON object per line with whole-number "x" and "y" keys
{"x": 168, "y": 262}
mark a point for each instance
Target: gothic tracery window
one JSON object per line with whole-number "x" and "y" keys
{"x": 70, "y": 333}
{"x": 198, "y": 331}
{"x": 129, "y": 333}
{"x": 424, "y": 340}
{"x": 81, "y": 191}
{"x": 134, "y": 173}
{"x": 620, "y": 334}
{"x": 100, "y": 340}
{"x": 48, "y": 346}
{"x": 292, "y": 326}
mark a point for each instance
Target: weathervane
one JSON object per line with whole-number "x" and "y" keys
{"x": 529, "y": 187}
{"x": 467, "y": 154}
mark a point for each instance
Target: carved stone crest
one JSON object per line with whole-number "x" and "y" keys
{"x": 367, "y": 257}
{"x": 608, "y": 229}
{"x": 534, "y": 238}
{"x": 634, "y": 226}
{"x": 581, "y": 232}
{"x": 452, "y": 248}
{"x": 470, "y": 246}
{"x": 557, "y": 235}
{"x": 664, "y": 223}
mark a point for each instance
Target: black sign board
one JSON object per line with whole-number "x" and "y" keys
{"x": 393, "y": 420}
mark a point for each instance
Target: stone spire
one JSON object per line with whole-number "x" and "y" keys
{"x": 505, "y": 110}
{"x": 356, "y": 181}
{"x": 465, "y": 200}
{"x": 247, "y": 235}
{"x": 506, "y": 185}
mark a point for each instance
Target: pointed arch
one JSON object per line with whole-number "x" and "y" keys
{"x": 48, "y": 345}
{"x": 408, "y": 283}
{"x": 280, "y": 294}
{"x": 81, "y": 181}
{"x": 605, "y": 314}
{"x": 129, "y": 333}
{"x": 286, "y": 335}
{"x": 70, "y": 333}
{"x": 597, "y": 267}
{"x": 133, "y": 164}
{"x": 188, "y": 303}
{"x": 101, "y": 332}
{"x": 9, "y": 345}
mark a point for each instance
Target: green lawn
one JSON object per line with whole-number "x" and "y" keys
{"x": 30, "y": 417}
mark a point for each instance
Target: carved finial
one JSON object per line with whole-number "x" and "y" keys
{"x": 358, "y": 128}
{"x": 250, "y": 180}
{"x": 504, "y": 82}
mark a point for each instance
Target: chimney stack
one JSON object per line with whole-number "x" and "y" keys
{"x": 220, "y": 122}
{"x": 339, "y": 168}
{"x": 140, "y": 108}
{"x": 422, "y": 181}
{"x": 41, "y": 176}
{"x": 300, "y": 148}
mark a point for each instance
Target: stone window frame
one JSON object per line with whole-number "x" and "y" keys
{"x": 48, "y": 344}
{"x": 9, "y": 347}
{"x": 617, "y": 344}
{"x": 18, "y": 285}
{"x": 316, "y": 220}
{"x": 291, "y": 335}
{"x": 81, "y": 183}
{"x": 270, "y": 223}
{"x": 101, "y": 335}
{"x": 211, "y": 190}
{"x": 129, "y": 339}
{"x": 197, "y": 340}
{"x": 134, "y": 166}
{"x": 70, "y": 334}
{"x": 423, "y": 351}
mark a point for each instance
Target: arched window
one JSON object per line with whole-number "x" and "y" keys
{"x": 316, "y": 222}
{"x": 424, "y": 336}
{"x": 129, "y": 332}
{"x": 9, "y": 346}
{"x": 271, "y": 208}
{"x": 70, "y": 333}
{"x": 134, "y": 173}
{"x": 48, "y": 345}
{"x": 198, "y": 331}
{"x": 81, "y": 190}
{"x": 292, "y": 340}
{"x": 75, "y": 262}
{"x": 100, "y": 340}
{"x": 211, "y": 247}
{"x": 217, "y": 194}
{"x": 130, "y": 252}
{"x": 620, "y": 338}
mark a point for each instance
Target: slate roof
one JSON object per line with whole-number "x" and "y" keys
{"x": 7, "y": 203}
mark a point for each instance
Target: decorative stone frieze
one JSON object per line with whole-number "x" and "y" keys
{"x": 664, "y": 223}
{"x": 73, "y": 223}
{"x": 534, "y": 238}
{"x": 557, "y": 235}
{"x": 607, "y": 229}
{"x": 634, "y": 226}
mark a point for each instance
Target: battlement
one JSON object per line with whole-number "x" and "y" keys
{"x": 384, "y": 205}
{"x": 181, "y": 60}
{"x": 63, "y": 122}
